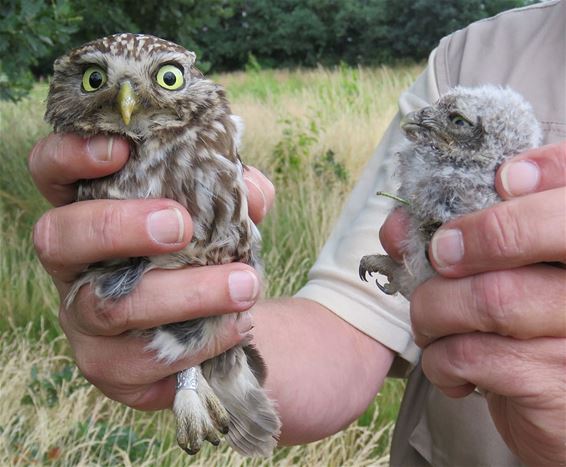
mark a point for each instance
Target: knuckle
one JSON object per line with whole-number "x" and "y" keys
{"x": 222, "y": 341}
{"x": 493, "y": 296}
{"x": 108, "y": 228}
{"x": 461, "y": 353}
{"x": 503, "y": 232}
{"x": 106, "y": 319}
{"x": 94, "y": 317}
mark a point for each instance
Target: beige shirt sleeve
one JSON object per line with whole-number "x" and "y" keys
{"x": 334, "y": 280}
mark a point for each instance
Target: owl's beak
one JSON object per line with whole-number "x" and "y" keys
{"x": 409, "y": 120}
{"x": 126, "y": 101}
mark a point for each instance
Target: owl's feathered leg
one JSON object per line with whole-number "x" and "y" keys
{"x": 236, "y": 377}
{"x": 111, "y": 281}
{"x": 198, "y": 412}
{"x": 225, "y": 393}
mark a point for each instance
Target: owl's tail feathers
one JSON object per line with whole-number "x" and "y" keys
{"x": 111, "y": 281}
{"x": 254, "y": 423}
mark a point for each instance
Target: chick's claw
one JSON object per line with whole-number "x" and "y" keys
{"x": 381, "y": 264}
{"x": 388, "y": 288}
{"x": 372, "y": 263}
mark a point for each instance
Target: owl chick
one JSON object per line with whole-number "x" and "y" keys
{"x": 184, "y": 146}
{"x": 447, "y": 169}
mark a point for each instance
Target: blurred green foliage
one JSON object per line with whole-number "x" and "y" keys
{"x": 234, "y": 34}
{"x": 46, "y": 390}
{"x": 29, "y": 31}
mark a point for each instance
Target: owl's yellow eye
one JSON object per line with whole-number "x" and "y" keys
{"x": 93, "y": 78}
{"x": 170, "y": 77}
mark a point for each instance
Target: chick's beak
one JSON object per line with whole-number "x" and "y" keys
{"x": 410, "y": 119}
{"x": 126, "y": 101}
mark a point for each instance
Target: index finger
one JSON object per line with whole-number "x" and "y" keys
{"x": 526, "y": 230}
{"x": 59, "y": 160}
{"x": 393, "y": 233}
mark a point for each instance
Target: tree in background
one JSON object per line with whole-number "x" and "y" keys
{"x": 34, "y": 32}
{"x": 30, "y": 30}
{"x": 228, "y": 34}
{"x": 287, "y": 33}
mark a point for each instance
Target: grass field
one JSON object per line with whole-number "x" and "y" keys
{"x": 311, "y": 132}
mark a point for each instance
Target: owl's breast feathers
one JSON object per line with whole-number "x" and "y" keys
{"x": 198, "y": 167}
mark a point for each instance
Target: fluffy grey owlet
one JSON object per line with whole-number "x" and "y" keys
{"x": 447, "y": 169}
{"x": 184, "y": 146}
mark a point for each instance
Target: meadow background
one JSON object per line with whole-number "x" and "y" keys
{"x": 316, "y": 82}
{"x": 311, "y": 131}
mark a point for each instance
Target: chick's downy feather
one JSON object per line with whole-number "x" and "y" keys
{"x": 447, "y": 168}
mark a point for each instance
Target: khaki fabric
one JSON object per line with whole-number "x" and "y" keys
{"x": 334, "y": 280}
{"x": 526, "y": 50}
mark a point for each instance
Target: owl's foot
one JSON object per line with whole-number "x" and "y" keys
{"x": 382, "y": 264}
{"x": 199, "y": 414}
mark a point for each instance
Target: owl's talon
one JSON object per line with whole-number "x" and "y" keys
{"x": 190, "y": 452}
{"x": 367, "y": 267}
{"x": 213, "y": 439}
{"x": 386, "y": 288}
{"x": 370, "y": 264}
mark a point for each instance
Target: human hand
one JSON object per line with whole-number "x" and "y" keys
{"x": 73, "y": 235}
{"x": 494, "y": 317}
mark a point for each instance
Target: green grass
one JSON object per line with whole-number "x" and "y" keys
{"x": 311, "y": 132}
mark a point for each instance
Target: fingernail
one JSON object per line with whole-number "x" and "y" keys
{"x": 100, "y": 147}
{"x": 520, "y": 178}
{"x": 447, "y": 247}
{"x": 244, "y": 322}
{"x": 166, "y": 226}
{"x": 243, "y": 286}
{"x": 256, "y": 187}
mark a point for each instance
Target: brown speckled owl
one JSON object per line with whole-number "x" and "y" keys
{"x": 184, "y": 146}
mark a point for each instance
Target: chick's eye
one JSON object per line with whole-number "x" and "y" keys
{"x": 459, "y": 120}
{"x": 94, "y": 78}
{"x": 170, "y": 77}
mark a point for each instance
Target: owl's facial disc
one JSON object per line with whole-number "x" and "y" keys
{"x": 421, "y": 126}
{"x": 126, "y": 101}
{"x": 443, "y": 125}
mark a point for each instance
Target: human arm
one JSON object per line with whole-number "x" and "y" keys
{"x": 494, "y": 317}
{"x": 322, "y": 371}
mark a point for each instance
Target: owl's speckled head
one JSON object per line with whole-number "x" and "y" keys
{"x": 129, "y": 84}
{"x": 474, "y": 125}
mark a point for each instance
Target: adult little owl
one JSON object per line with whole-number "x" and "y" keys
{"x": 184, "y": 146}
